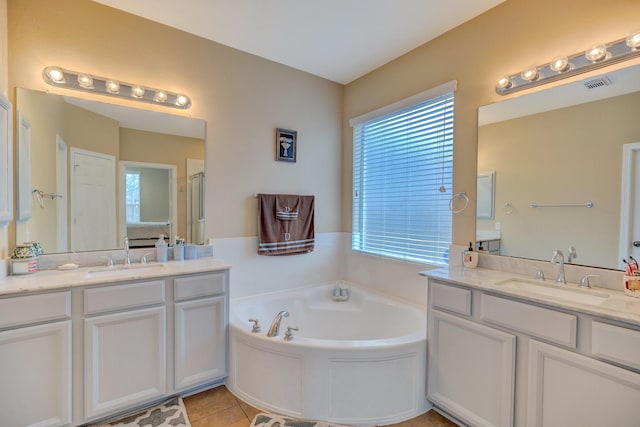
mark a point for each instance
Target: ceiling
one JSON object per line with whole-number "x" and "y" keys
{"x": 339, "y": 40}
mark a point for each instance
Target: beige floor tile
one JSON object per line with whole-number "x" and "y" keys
{"x": 430, "y": 419}
{"x": 230, "y": 417}
{"x": 249, "y": 410}
{"x": 209, "y": 402}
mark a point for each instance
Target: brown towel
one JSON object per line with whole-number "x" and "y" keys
{"x": 285, "y": 224}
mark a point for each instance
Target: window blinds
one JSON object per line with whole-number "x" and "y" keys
{"x": 401, "y": 160}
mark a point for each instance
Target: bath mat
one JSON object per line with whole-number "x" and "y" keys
{"x": 271, "y": 420}
{"x": 167, "y": 414}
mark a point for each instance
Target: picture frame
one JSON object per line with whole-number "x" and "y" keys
{"x": 286, "y": 145}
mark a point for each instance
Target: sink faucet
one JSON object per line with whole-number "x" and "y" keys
{"x": 275, "y": 325}
{"x": 127, "y": 258}
{"x": 559, "y": 258}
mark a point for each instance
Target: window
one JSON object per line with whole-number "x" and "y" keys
{"x": 132, "y": 192}
{"x": 402, "y": 181}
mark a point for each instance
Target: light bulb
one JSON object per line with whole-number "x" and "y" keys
{"x": 182, "y": 100}
{"x": 596, "y": 53}
{"x": 633, "y": 41}
{"x": 85, "y": 81}
{"x": 112, "y": 86}
{"x": 137, "y": 91}
{"x": 560, "y": 64}
{"x": 504, "y": 82}
{"x": 54, "y": 74}
{"x": 160, "y": 96}
{"x": 530, "y": 74}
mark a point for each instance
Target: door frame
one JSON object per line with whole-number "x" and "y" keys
{"x": 629, "y": 151}
{"x": 62, "y": 185}
{"x": 173, "y": 193}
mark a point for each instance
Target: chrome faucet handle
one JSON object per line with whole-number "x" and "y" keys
{"x": 144, "y": 259}
{"x": 539, "y": 275}
{"x": 288, "y": 336}
{"x": 585, "y": 283}
{"x": 256, "y": 326}
{"x": 109, "y": 262}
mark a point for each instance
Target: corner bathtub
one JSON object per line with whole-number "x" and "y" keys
{"x": 359, "y": 362}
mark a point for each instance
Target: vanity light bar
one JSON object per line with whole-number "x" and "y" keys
{"x": 597, "y": 56}
{"x": 60, "y": 77}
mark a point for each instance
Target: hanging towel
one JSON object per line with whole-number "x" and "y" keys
{"x": 285, "y": 224}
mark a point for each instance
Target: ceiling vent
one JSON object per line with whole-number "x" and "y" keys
{"x": 598, "y": 82}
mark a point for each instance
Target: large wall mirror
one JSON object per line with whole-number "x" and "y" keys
{"x": 98, "y": 172}
{"x": 555, "y": 152}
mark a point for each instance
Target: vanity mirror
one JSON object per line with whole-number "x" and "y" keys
{"x": 556, "y": 152}
{"x": 99, "y": 172}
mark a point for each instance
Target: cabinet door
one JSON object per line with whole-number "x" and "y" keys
{"x": 125, "y": 360}
{"x": 200, "y": 341}
{"x": 471, "y": 370}
{"x": 568, "y": 389}
{"x": 35, "y": 375}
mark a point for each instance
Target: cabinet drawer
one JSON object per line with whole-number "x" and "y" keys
{"x": 451, "y": 298}
{"x": 550, "y": 325}
{"x": 34, "y": 308}
{"x": 199, "y": 286}
{"x": 616, "y": 344}
{"x": 107, "y": 298}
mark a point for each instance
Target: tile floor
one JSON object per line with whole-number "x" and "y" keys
{"x": 219, "y": 408}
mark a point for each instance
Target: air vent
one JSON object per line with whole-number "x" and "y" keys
{"x": 597, "y": 82}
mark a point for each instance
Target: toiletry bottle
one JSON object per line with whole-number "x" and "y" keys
{"x": 470, "y": 258}
{"x": 161, "y": 249}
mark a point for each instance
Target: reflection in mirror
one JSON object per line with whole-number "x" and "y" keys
{"x": 82, "y": 152}
{"x": 558, "y": 146}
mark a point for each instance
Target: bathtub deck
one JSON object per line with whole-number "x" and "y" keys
{"x": 219, "y": 408}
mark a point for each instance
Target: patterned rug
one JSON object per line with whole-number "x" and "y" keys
{"x": 167, "y": 414}
{"x": 271, "y": 420}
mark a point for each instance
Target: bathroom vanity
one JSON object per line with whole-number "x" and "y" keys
{"x": 506, "y": 350}
{"x": 86, "y": 344}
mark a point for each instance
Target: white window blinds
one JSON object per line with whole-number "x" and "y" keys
{"x": 402, "y": 161}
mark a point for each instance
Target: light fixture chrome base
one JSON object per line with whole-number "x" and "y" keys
{"x": 60, "y": 77}
{"x": 601, "y": 56}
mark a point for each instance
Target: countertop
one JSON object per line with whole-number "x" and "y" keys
{"x": 618, "y": 306}
{"x": 48, "y": 280}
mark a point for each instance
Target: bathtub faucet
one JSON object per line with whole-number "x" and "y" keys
{"x": 275, "y": 325}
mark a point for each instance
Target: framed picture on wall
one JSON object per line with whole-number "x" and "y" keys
{"x": 286, "y": 145}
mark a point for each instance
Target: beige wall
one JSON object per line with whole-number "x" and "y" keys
{"x": 570, "y": 155}
{"x": 503, "y": 40}
{"x": 151, "y": 147}
{"x": 243, "y": 98}
{"x": 4, "y": 230}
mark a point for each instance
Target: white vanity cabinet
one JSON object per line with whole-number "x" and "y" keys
{"x": 471, "y": 367}
{"x": 124, "y": 346}
{"x": 35, "y": 360}
{"x": 496, "y": 360}
{"x": 200, "y": 329}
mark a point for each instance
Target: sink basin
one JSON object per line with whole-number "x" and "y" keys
{"x": 122, "y": 270}
{"x": 562, "y": 292}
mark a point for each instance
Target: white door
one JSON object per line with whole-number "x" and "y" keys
{"x": 93, "y": 201}
{"x": 125, "y": 360}
{"x": 471, "y": 370}
{"x": 630, "y": 203}
{"x": 35, "y": 375}
{"x": 62, "y": 214}
{"x": 200, "y": 348}
{"x": 568, "y": 389}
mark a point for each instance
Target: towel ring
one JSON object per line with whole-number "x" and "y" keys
{"x": 507, "y": 208}
{"x": 461, "y": 195}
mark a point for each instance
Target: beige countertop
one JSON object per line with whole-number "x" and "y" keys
{"x": 49, "y": 280}
{"x": 618, "y": 306}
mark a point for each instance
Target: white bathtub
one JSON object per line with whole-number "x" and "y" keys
{"x": 359, "y": 362}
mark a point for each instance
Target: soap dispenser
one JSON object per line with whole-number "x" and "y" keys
{"x": 470, "y": 258}
{"x": 161, "y": 249}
